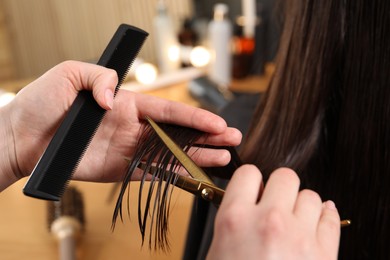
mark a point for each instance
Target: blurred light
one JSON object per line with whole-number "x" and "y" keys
{"x": 199, "y": 56}
{"x": 133, "y": 68}
{"x": 146, "y": 73}
{"x": 174, "y": 53}
{"x": 185, "y": 53}
{"x": 5, "y": 98}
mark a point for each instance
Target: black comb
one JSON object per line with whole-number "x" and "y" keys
{"x": 63, "y": 154}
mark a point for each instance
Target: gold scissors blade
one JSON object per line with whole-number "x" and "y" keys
{"x": 194, "y": 170}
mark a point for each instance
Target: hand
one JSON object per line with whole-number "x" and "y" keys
{"x": 284, "y": 224}
{"x": 29, "y": 122}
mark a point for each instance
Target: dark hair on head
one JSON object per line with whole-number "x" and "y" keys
{"x": 326, "y": 114}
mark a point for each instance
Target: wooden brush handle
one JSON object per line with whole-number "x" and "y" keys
{"x": 67, "y": 248}
{"x": 66, "y": 229}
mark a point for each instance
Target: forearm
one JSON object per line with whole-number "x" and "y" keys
{"x": 7, "y": 175}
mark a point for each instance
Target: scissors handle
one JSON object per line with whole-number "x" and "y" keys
{"x": 206, "y": 191}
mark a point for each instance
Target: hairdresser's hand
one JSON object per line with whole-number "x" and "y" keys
{"x": 28, "y": 123}
{"x": 284, "y": 224}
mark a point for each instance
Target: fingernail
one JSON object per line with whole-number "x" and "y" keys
{"x": 109, "y": 95}
{"x": 330, "y": 205}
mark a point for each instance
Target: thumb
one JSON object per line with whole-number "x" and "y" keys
{"x": 98, "y": 79}
{"x": 329, "y": 228}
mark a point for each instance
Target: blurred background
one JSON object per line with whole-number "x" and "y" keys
{"x": 37, "y": 35}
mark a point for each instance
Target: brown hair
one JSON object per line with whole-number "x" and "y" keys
{"x": 326, "y": 114}
{"x": 150, "y": 151}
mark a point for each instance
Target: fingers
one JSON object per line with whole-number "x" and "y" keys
{"x": 244, "y": 187}
{"x": 281, "y": 190}
{"x": 166, "y": 111}
{"x": 207, "y": 157}
{"x": 308, "y": 207}
{"x": 329, "y": 227}
{"x": 298, "y": 214}
{"x": 230, "y": 137}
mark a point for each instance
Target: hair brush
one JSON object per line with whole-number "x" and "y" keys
{"x": 63, "y": 154}
{"x": 66, "y": 221}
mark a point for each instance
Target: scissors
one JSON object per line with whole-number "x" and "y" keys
{"x": 200, "y": 184}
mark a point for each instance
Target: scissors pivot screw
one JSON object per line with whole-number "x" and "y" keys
{"x": 207, "y": 194}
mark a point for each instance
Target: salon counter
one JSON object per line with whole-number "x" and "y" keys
{"x": 24, "y": 232}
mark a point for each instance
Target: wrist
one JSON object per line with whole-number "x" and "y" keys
{"x": 7, "y": 150}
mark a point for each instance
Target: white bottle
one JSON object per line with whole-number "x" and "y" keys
{"x": 166, "y": 43}
{"x": 220, "y": 35}
{"x": 249, "y": 14}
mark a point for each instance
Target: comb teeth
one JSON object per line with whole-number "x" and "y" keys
{"x": 58, "y": 163}
{"x": 73, "y": 147}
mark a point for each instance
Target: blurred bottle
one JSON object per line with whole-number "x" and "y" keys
{"x": 220, "y": 35}
{"x": 249, "y": 17}
{"x": 188, "y": 38}
{"x": 243, "y": 50}
{"x": 261, "y": 50}
{"x": 167, "y": 46}
{"x": 187, "y": 35}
